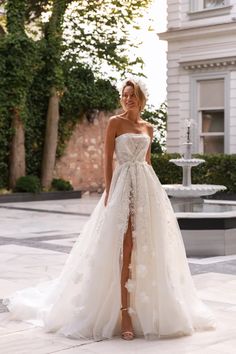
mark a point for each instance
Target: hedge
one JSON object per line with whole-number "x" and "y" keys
{"x": 217, "y": 169}
{"x": 28, "y": 184}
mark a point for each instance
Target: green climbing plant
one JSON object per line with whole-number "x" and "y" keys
{"x": 17, "y": 64}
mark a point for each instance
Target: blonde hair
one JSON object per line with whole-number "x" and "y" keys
{"x": 137, "y": 91}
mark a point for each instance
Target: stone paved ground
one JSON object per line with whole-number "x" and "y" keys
{"x": 35, "y": 239}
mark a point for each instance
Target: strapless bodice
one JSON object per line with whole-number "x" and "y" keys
{"x": 131, "y": 147}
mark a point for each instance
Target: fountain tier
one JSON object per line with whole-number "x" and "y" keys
{"x": 192, "y": 191}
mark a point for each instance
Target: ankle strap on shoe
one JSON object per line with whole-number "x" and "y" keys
{"x": 124, "y": 308}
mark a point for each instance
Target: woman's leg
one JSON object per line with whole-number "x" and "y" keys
{"x": 126, "y": 324}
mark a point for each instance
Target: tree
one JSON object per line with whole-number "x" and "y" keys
{"x": 100, "y": 36}
{"x": 53, "y": 39}
{"x": 16, "y": 76}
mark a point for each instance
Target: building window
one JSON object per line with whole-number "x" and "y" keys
{"x": 211, "y": 116}
{"x": 210, "y": 4}
{"x": 201, "y": 5}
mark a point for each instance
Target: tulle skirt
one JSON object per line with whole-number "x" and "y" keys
{"x": 84, "y": 301}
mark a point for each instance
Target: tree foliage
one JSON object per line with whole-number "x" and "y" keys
{"x": 158, "y": 118}
{"x": 70, "y": 62}
{"x": 103, "y": 35}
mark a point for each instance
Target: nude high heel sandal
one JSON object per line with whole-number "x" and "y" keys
{"x": 126, "y": 335}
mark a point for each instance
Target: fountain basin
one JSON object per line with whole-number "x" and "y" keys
{"x": 209, "y": 229}
{"x": 192, "y": 191}
{"x": 182, "y": 162}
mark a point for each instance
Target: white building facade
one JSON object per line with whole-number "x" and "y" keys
{"x": 201, "y": 71}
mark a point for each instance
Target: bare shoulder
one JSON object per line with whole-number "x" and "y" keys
{"x": 118, "y": 117}
{"x": 113, "y": 121}
{"x": 150, "y": 128}
{"x": 112, "y": 125}
{"x": 149, "y": 125}
{"x": 146, "y": 123}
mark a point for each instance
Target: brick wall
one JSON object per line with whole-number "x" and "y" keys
{"x": 82, "y": 162}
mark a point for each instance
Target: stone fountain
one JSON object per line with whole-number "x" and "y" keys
{"x": 184, "y": 195}
{"x": 208, "y": 227}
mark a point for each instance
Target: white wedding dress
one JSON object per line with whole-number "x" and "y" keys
{"x": 85, "y": 301}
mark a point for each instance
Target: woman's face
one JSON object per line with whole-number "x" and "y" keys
{"x": 129, "y": 99}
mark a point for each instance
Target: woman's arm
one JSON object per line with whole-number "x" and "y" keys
{"x": 109, "y": 148}
{"x": 150, "y": 133}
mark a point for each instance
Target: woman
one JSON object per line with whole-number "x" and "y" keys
{"x": 133, "y": 101}
{"x": 129, "y": 259}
